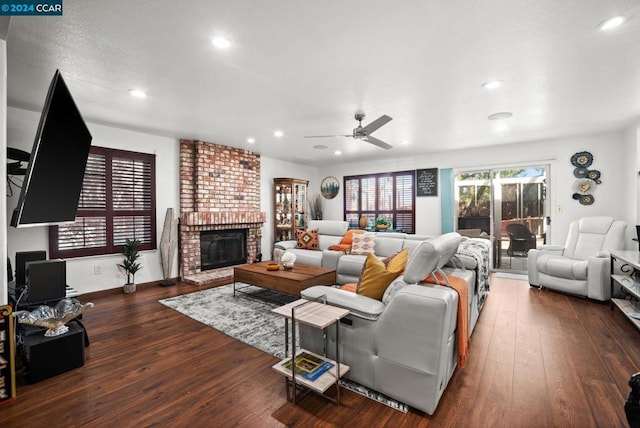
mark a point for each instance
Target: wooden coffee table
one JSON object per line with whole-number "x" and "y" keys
{"x": 286, "y": 281}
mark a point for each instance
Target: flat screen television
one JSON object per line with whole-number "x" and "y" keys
{"x": 53, "y": 181}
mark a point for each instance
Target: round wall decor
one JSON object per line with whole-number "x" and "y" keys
{"x": 587, "y": 179}
{"x": 329, "y": 187}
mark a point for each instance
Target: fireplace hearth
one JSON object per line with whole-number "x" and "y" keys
{"x": 222, "y": 248}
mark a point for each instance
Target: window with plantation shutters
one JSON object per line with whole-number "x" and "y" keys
{"x": 117, "y": 202}
{"x": 389, "y": 195}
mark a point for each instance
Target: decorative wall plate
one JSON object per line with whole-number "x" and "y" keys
{"x": 594, "y": 175}
{"x": 584, "y": 186}
{"x": 582, "y": 159}
{"x": 586, "y": 199}
{"x": 580, "y": 172}
{"x": 329, "y": 187}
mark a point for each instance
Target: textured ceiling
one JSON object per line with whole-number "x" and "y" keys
{"x": 305, "y": 67}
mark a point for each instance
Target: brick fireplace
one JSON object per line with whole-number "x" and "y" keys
{"x": 219, "y": 190}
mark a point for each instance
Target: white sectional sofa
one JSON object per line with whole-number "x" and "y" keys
{"x": 405, "y": 346}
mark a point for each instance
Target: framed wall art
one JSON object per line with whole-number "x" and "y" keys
{"x": 330, "y": 187}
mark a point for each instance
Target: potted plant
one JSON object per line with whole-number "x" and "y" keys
{"x": 130, "y": 264}
{"x": 382, "y": 223}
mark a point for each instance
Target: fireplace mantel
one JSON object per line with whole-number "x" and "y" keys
{"x": 220, "y": 218}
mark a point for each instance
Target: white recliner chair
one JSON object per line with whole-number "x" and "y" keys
{"x": 582, "y": 267}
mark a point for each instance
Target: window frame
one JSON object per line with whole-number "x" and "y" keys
{"x": 377, "y": 212}
{"x": 109, "y": 213}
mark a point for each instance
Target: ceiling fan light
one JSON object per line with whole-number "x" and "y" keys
{"x": 137, "y": 93}
{"x": 500, "y": 116}
{"x": 492, "y": 84}
{"x": 611, "y": 23}
{"x": 221, "y": 42}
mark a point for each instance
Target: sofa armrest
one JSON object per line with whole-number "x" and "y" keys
{"x": 598, "y": 278}
{"x": 548, "y": 247}
{"x": 285, "y": 245}
{"x": 360, "y": 306}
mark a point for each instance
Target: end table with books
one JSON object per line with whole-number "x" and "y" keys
{"x": 311, "y": 372}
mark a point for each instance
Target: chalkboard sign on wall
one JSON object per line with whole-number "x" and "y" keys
{"x": 427, "y": 182}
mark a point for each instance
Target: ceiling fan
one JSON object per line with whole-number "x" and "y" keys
{"x": 363, "y": 132}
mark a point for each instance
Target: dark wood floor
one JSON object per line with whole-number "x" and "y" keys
{"x": 537, "y": 359}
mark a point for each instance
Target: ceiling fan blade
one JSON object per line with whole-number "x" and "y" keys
{"x": 323, "y": 136}
{"x": 376, "y": 142}
{"x": 379, "y": 122}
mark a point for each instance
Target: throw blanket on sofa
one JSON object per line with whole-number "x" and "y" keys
{"x": 460, "y": 285}
{"x": 478, "y": 249}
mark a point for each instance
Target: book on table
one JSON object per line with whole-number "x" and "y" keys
{"x": 309, "y": 366}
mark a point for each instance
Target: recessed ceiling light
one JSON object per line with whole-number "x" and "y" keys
{"x": 320, "y": 147}
{"x": 337, "y": 153}
{"x": 611, "y": 23}
{"x": 221, "y": 42}
{"x": 500, "y": 116}
{"x": 137, "y": 93}
{"x": 251, "y": 140}
{"x": 278, "y": 133}
{"x": 404, "y": 142}
{"x": 502, "y": 128}
{"x": 492, "y": 84}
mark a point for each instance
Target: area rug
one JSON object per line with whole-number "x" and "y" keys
{"x": 247, "y": 317}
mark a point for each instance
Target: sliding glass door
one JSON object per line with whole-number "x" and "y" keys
{"x": 507, "y": 206}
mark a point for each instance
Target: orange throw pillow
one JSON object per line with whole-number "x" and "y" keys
{"x": 348, "y": 237}
{"x": 376, "y": 277}
{"x": 341, "y": 247}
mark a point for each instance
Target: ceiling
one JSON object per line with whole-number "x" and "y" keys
{"x": 305, "y": 67}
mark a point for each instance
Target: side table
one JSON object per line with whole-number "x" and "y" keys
{"x": 629, "y": 284}
{"x": 317, "y": 315}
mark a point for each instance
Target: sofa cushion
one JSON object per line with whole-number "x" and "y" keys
{"x": 376, "y": 277}
{"x": 308, "y": 239}
{"x": 387, "y": 246}
{"x": 562, "y": 267}
{"x": 329, "y": 227}
{"x": 363, "y": 244}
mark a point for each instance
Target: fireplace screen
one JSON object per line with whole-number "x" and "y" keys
{"x": 220, "y": 248}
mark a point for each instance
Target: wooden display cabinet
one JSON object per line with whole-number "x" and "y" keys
{"x": 290, "y": 207}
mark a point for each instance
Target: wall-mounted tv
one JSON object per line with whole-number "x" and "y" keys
{"x": 53, "y": 181}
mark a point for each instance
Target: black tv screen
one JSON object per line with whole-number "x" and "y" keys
{"x": 53, "y": 181}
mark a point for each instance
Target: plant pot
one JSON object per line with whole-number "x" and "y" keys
{"x": 382, "y": 226}
{"x": 129, "y": 288}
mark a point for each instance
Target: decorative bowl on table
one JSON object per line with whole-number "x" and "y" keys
{"x": 272, "y": 266}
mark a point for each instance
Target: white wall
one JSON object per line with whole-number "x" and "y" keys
{"x": 3, "y": 168}
{"x": 82, "y": 273}
{"x": 631, "y": 165}
{"x": 270, "y": 169}
{"x": 611, "y": 197}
